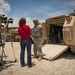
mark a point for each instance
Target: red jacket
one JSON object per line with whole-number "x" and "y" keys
{"x": 22, "y": 33}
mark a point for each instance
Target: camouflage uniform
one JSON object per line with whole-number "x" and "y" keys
{"x": 37, "y": 36}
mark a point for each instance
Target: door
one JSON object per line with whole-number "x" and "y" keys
{"x": 55, "y": 34}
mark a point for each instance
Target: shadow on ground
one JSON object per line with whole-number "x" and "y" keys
{"x": 6, "y": 64}
{"x": 67, "y": 55}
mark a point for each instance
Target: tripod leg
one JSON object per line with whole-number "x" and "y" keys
{"x": 3, "y": 50}
{"x": 2, "y": 55}
{"x": 13, "y": 52}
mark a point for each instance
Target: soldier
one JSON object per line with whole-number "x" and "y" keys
{"x": 37, "y": 36}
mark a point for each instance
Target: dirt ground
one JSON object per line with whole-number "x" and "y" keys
{"x": 63, "y": 65}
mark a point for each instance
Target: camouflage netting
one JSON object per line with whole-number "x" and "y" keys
{"x": 14, "y": 35}
{"x": 14, "y": 31}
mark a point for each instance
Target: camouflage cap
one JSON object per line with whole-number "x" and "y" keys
{"x": 35, "y": 19}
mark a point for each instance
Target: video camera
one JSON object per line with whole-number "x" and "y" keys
{"x": 5, "y": 19}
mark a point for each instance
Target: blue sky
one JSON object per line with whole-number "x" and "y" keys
{"x": 30, "y": 9}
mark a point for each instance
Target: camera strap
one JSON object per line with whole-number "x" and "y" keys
{"x": 25, "y": 31}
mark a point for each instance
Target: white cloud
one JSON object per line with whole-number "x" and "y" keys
{"x": 29, "y": 22}
{"x": 15, "y": 22}
{"x": 72, "y": 3}
{"x": 56, "y": 13}
{"x": 68, "y": 4}
{"x": 4, "y": 7}
{"x": 26, "y": 14}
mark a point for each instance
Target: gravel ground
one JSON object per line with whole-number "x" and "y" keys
{"x": 63, "y": 65}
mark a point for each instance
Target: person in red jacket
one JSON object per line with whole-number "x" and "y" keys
{"x": 25, "y": 42}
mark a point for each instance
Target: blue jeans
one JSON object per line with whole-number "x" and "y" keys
{"x": 27, "y": 44}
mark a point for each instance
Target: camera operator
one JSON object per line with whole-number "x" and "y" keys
{"x": 2, "y": 28}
